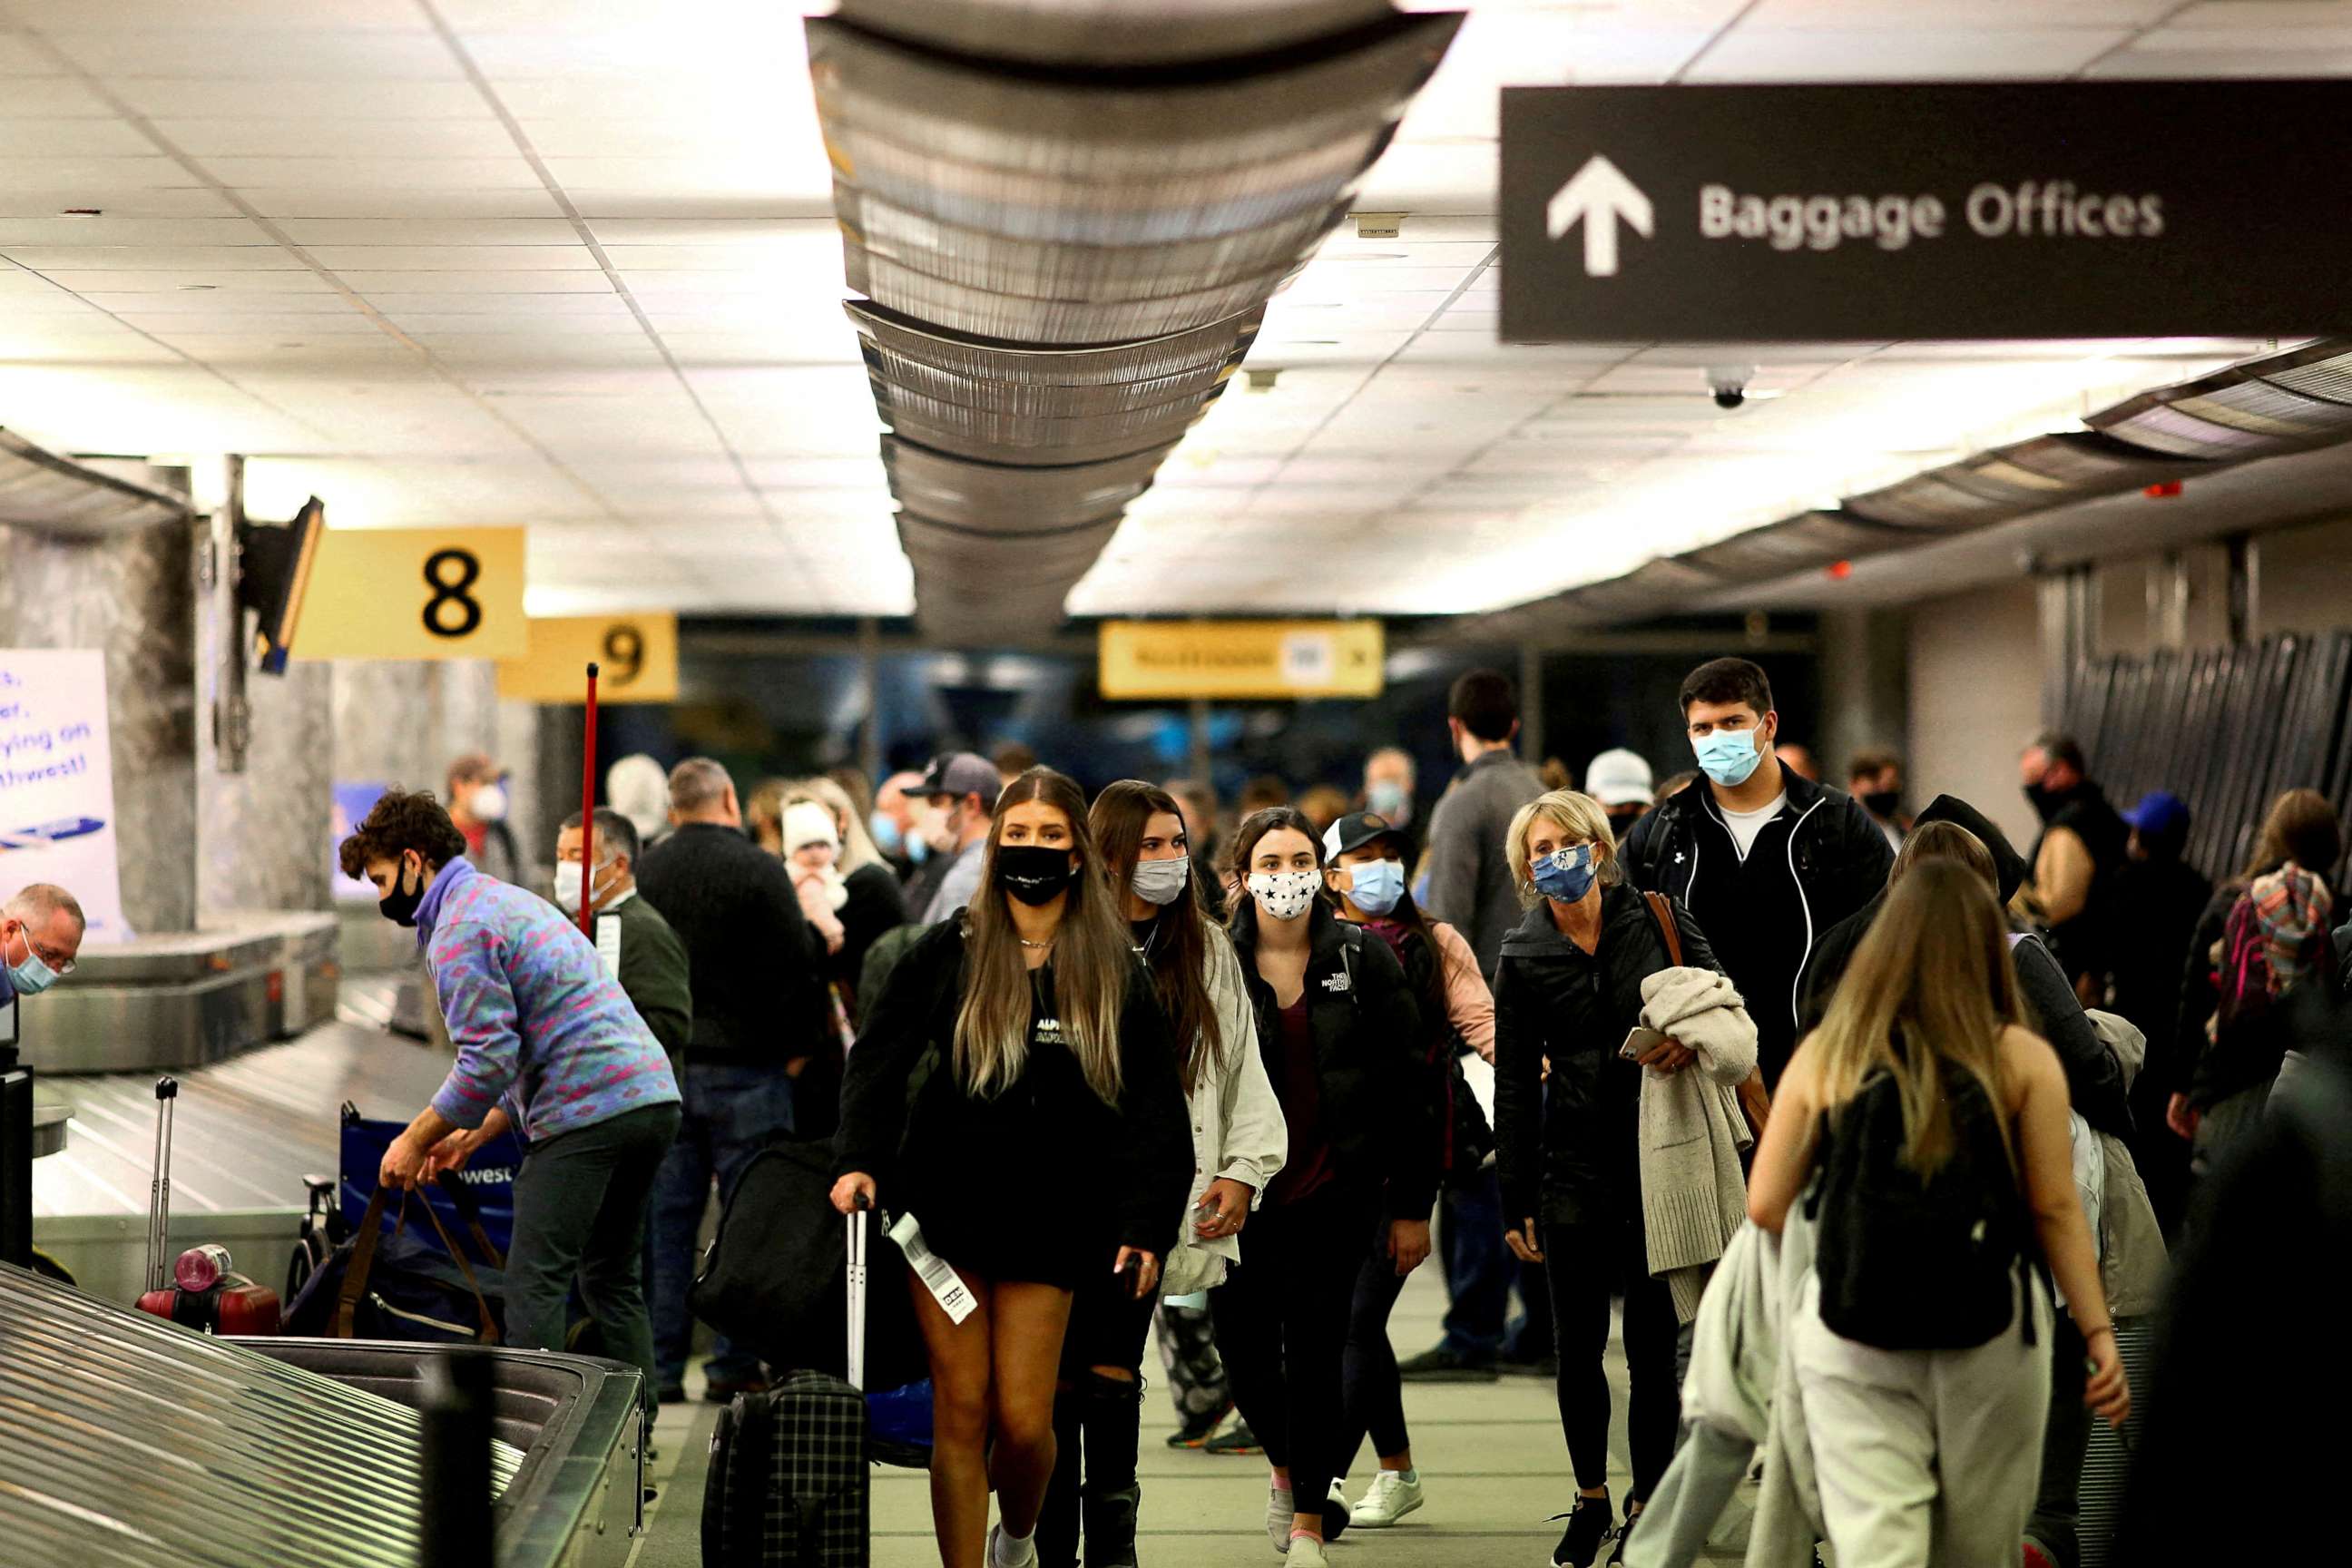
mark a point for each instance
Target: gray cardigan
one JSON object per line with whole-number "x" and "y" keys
{"x": 1470, "y": 885}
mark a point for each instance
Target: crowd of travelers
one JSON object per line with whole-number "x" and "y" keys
{"x": 1861, "y": 1128}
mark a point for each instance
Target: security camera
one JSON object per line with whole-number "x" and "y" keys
{"x": 1730, "y": 384}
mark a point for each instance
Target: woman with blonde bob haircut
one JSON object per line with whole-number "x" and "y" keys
{"x": 1023, "y": 1037}
{"x": 1921, "y": 1090}
{"x": 1570, "y": 1150}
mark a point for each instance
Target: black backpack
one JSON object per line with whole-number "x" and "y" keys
{"x": 1907, "y": 1262}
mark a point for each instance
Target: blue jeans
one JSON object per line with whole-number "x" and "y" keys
{"x": 731, "y": 1113}
{"x": 1480, "y": 1274}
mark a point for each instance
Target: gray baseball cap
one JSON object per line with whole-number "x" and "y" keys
{"x": 960, "y": 774}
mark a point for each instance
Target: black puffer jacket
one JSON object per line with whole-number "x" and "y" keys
{"x": 2094, "y": 1079}
{"x": 1567, "y": 1150}
{"x": 1380, "y": 1098}
{"x": 1817, "y": 862}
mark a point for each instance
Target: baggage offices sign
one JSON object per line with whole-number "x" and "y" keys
{"x": 57, "y": 782}
{"x": 2020, "y": 210}
{"x": 421, "y": 592}
{"x": 1225, "y": 659}
{"x": 635, "y": 658}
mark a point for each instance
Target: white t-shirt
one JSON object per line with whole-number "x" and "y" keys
{"x": 1746, "y": 824}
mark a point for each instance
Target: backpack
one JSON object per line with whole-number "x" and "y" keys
{"x": 1911, "y": 1263}
{"x": 2241, "y": 982}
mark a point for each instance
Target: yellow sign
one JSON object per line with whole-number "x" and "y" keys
{"x": 1241, "y": 659}
{"x": 635, "y": 658}
{"x": 437, "y": 593}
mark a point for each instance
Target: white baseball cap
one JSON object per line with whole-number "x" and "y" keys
{"x": 1619, "y": 777}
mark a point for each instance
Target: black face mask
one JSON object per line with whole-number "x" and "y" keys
{"x": 1033, "y": 873}
{"x": 399, "y": 906}
{"x": 1883, "y": 802}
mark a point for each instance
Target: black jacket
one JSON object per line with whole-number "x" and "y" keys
{"x": 1132, "y": 1162}
{"x": 1379, "y": 1097}
{"x": 2094, "y": 1079}
{"x": 758, "y": 979}
{"x": 2082, "y": 943}
{"x": 877, "y": 904}
{"x": 1567, "y": 1150}
{"x": 1819, "y": 861}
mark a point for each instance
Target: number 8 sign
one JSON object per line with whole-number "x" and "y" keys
{"x": 449, "y": 593}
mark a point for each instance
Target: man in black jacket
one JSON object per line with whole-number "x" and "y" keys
{"x": 762, "y": 1032}
{"x": 2073, "y": 860}
{"x": 1764, "y": 858}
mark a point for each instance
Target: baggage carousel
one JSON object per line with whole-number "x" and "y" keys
{"x": 248, "y": 1131}
{"x": 128, "y": 1441}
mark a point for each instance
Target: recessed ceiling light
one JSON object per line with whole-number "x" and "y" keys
{"x": 82, "y": 212}
{"x": 196, "y": 288}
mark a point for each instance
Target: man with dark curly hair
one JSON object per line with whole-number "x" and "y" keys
{"x": 547, "y": 1041}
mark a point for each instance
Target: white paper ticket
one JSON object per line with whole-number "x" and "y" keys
{"x": 947, "y": 1286}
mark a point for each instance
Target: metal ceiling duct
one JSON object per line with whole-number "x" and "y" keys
{"x": 1068, "y": 217}
{"x": 1111, "y": 31}
{"x": 1809, "y": 540}
{"x": 984, "y": 496}
{"x": 40, "y": 489}
{"x": 2292, "y": 402}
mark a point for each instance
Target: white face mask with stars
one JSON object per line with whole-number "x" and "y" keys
{"x": 1285, "y": 895}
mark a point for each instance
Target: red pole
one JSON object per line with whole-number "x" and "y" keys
{"x": 588, "y": 817}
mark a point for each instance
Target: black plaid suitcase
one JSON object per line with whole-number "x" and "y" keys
{"x": 787, "y": 1487}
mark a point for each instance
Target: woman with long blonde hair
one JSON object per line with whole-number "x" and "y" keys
{"x": 1019, "y": 1038}
{"x": 1938, "y": 1126}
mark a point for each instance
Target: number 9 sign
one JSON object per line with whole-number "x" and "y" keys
{"x": 637, "y": 655}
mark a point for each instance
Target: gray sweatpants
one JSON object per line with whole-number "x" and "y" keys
{"x": 1923, "y": 1458}
{"x": 579, "y": 1204}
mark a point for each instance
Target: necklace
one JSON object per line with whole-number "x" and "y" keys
{"x": 1036, "y": 946}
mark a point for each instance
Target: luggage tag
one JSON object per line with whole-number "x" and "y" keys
{"x": 946, "y": 1287}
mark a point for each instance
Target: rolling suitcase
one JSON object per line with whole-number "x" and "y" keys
{"x": 204, "y": 1290}
{"x": 787, "y": 1487}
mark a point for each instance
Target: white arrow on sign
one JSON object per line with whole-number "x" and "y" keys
{"x": 1601, "y": 194}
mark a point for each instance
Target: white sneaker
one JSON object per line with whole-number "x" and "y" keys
{"x": 1306, "y": 1551}
{"x": 1280, "y": 1515}
{"x": 1336, "y": 1514}
{"x": 1389, "y": 1499}
{"x": 996, "y": 1557}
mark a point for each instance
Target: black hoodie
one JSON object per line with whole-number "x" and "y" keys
{"x": 2095, "y": 1079}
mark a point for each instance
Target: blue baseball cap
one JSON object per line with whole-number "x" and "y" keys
{"x": 2158, "y": 816}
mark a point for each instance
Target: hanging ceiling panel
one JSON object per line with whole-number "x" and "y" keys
{"x": 1027, "y": 439}
{"x": 996, "y": 313}
{"x": 1052, "y": 383}
{"x": 1808, "y": 540}
{"x": 1111, "y": 31}
{"x": 992, "y": 495}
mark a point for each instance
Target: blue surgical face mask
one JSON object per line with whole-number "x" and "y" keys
{"x": 1727, "y": 756}
{"x": 1386, "y": 797}
{"x": 1565, "y": 876}
{"x": 32, "y": 976}
{"x": 885, "y": 828}
{"x": 1375, "y": 886}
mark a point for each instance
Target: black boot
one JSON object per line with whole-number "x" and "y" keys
{"x": 1111, "y": 1527}
{"x": 1057, "y": 1520}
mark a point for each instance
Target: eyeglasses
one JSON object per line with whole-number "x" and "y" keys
{"x": 60, "y": 967}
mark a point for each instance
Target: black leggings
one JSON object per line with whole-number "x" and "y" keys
{"x": 1282, "y": 1328}
{"x": 1586, "y": 1264}
{"x": 1095, "y": 1416}
{"x": 1375, "y": 1396}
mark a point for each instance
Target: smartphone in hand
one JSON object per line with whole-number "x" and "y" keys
{"x": 1640, "y": 1042}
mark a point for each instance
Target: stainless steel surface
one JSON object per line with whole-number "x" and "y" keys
{"x": 49, "y": 1129}
{"x": 131, "y": 1441}
{"x": 87, "y": 1028}
{"x": 574, "y": 1499}
{"x": 250, "y": 1128}
{"x": 171, "y": 1002}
